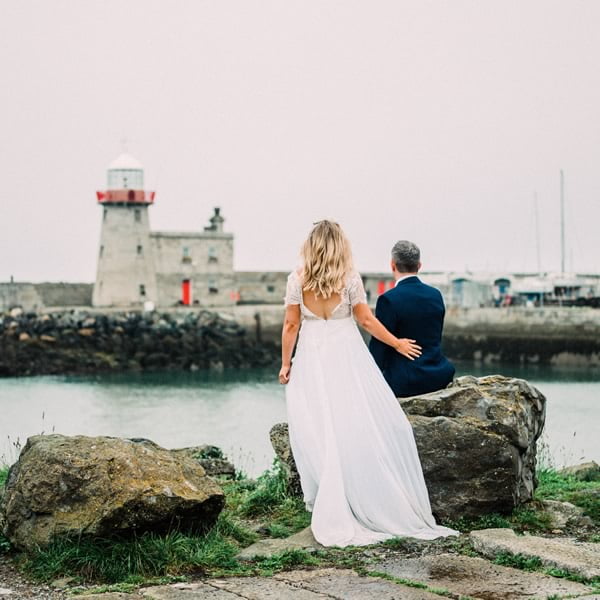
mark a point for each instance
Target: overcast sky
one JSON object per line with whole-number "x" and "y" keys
{"x": 435, "y": 121}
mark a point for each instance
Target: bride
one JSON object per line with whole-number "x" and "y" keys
{"x": 353, "y": 445}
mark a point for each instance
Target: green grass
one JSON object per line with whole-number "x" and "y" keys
{"x": 413, "y": 584}
{"x": 585, "y": 494}
{"x": 531, "y": 518}
{"x": 491, "y": 521}
{"x": 268, "y": 500}
{"x": 4, "y": 543}
{"x": 3, "y": 474}
{"x": 117, "y": 560}
{"x": 533, "y": 563}
{"x": 255, "y": 509}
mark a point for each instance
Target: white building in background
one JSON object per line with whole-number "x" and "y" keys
{"x": 137, "y": 266}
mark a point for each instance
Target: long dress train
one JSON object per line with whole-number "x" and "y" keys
{"x": 353, "y": 445}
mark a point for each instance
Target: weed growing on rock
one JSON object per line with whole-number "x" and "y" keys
{"x": 533, "y": 563}
{"x": 285, "y": 560}
{"x": 518, "y": 561}
{"x": 413, "y": 584}
{"x": 491, "y": 521}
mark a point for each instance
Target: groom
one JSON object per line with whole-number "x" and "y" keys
{"x": 412, "y": 310}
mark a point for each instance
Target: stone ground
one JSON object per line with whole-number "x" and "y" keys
{"x": 392, "y": 575}
{"x": 14, "y": 586}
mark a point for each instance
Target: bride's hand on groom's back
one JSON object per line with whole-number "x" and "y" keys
{"x": 408, "y": 348}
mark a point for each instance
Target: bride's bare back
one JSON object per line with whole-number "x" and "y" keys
{"x": 319, "y": 306}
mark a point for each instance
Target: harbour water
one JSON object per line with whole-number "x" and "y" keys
{"x": 235, "y": 410}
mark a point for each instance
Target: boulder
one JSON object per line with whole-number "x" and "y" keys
{"x": 565, "y": 514}
{"x": 211, "y": 458}
{"x": 303, "y": 540}
{"x": 476, "y": 441}
{"x": 280, "y": 440}
{"x": 100, "y": 486}
{"x": 589, "y": 471}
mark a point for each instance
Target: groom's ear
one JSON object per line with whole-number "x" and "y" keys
{"x": 419, "y": 267}
{"x": 393, "y": 265}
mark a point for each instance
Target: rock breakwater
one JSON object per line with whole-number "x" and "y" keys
{"x": 80, "y": 342}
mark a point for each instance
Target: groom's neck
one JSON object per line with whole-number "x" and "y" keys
{"x": 398, "y": 275}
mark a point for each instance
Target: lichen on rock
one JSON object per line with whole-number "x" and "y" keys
{"x": 101, "y": 486}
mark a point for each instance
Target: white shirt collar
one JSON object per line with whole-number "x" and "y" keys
{"x": 402, "y": 279}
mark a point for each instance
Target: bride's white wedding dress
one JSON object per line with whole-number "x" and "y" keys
{"x": 353, "y": 445}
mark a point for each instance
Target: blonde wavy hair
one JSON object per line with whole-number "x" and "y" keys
{"x": 326, "y": 259}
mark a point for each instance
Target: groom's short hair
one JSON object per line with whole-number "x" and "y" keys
{"x": 406, "y": 256}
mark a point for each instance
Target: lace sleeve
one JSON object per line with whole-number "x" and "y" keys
{"x": 293, "y": 293}
{"x": 356, "y": 290}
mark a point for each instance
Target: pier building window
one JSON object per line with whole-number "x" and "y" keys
{"x": 270, "y": 288}
{"x": 139, "y": 249}
{"x": 138, "y": 215}
{"x": 185, "y": 256}
{"x": 142, "y": 289}
{"x": 101, "y": 250}
{"x": 212, "y": 255}
{"x": 104, "y": 213}
{"x": 212, "y": 287}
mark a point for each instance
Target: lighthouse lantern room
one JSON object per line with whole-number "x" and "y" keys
{"x": 125, "y": 183}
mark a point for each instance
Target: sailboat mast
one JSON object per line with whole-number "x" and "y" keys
{"x": 562, "y": 222}
{"x": 537, "y": 233}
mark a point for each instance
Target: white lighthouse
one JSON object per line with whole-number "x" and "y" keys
{"x": 126, "y": 272}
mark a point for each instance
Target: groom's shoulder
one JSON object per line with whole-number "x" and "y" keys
{"x": 430, "y": 288}
{"x": 415, "y": 286}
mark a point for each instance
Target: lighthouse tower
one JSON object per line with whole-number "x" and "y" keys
{"x": 126, "y": 272}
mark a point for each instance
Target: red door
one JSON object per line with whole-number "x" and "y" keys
{"x": 186, "y": 292}
{"x": 380, "y": 287}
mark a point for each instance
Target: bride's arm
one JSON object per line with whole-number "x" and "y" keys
{"x": 367, "y": 320}
{"x": 289, "y": 333}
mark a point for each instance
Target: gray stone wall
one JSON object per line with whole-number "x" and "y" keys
{"x": 22, "y": 295}
{"x": 38, "y": 296}
{"x": 260, "y": 287}
{"x": 65, "y": 294}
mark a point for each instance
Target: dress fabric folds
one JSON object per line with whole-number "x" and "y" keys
{"x": 353, "y": 445}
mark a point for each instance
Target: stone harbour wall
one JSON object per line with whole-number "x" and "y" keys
{"x": 81, "y": 342}
{"x": 87, "y": 341}
{"x": 560, "y": 336}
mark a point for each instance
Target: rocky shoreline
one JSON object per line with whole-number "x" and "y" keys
{"x": 77, "y": 342}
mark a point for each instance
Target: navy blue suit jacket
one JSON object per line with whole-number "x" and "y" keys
{"x": 413, "y": 310}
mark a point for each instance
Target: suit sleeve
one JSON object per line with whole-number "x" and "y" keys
{"x": 385, "y": 313}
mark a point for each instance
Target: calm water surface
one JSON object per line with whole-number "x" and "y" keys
{"x": 235, "y": 410}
